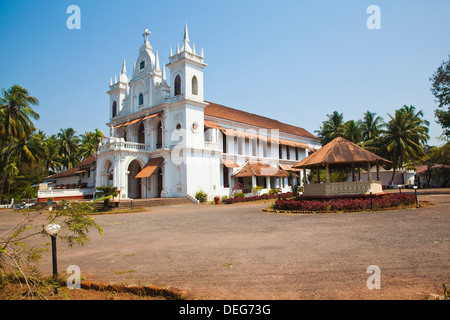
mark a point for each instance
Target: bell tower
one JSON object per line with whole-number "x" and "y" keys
{"x": 186, "y": 71}
{"x": 186, "y": 91}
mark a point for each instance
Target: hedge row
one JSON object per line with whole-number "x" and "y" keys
{"x": 261, "y": 197}
{"x": 345, "y": 204}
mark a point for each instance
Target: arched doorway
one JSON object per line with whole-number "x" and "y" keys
{"x": 106, "y": 174}
{"x": 134, "y": 184}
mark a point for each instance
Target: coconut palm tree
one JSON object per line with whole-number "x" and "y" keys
{"x": 16, "y": 114}
{"x": 68, "y": 144}
{"x": 404, "y": 137}
{"x": 353, "y": 131}
{"x": 332, "y": 128}
{"x": 51, "y": 158}
{"x": 90, "y": 142}
{"x": 372, "y": 125}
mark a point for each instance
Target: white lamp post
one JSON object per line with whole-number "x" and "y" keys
{"x": 417, "y": 201}
{"x": 52, "y": 230}
{"x": 371, "y": 206}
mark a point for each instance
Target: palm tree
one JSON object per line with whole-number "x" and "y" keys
{"x": 405, "y": 135}
{"x": 372, "y": 125}
{"x": 68, "y": 144}
{"x": 353, "y": 131}
{"x": 16, "y": 115}
{"x": 331, "y": 128}
{"x": 51, "y": 158}
{"x": 90, "y": 142}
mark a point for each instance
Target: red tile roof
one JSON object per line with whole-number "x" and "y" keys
{"x": 220, "y": 111}
{"x": 86, "y": 163}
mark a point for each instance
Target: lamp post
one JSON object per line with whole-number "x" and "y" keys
{"x": 52, "y": 230}
{"x": 371, "y": 204}
{"x": 400, "y": 188}
{"x": 417, "y": 201}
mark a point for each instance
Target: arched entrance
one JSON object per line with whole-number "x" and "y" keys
{"x": 106, "y": 174}
{"x": 134, "y": 184}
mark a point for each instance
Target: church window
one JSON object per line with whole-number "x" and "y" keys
{"x": 177, "y": 85}
{"x": 141, "y": 99}
{"x": 194, "y": 85}
{"x": 159, "y": 136}
{"x": 114, "y": 109}
{"x": 142, "y": 65}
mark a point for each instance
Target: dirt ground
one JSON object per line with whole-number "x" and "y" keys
{"x": 237, "y": 251}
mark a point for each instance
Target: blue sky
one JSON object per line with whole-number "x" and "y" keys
{"x": 294, "y": 61}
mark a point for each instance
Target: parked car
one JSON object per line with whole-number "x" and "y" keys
{"x": 19, "y": 206}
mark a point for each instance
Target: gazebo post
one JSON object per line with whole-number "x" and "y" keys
{"x": 378, "y": 172}
{"x": 327, "y": 169}
{"x": 353, "y": 172}
{"x": 304, "y": 175}
{"x": 369, "y": 172}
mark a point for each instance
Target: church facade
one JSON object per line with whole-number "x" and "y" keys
{"x": 167, "y": 141}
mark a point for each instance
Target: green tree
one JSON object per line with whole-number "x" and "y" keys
{"x": 51, "y": 159}
{"x": 332, "y": 128}
{"x": 16, "y": 114}
{"x": 68, "y": 144}
{"x": 404, "y": 137}
{"x": 353, "y": 131}
{"x": 90, "y": 142}
{"x": 371, "y": 125}
{"x": 441, "y": 90}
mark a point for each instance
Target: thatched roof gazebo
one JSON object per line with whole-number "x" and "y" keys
{"x": 341, "y": 153}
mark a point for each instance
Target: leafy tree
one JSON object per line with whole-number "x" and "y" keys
{"x": 371, "y": 125}
{"x": 353, "y": 131}
{"x": 68, "y": 144}
{"x": 90, "y": 142}
{"x": 404, "y": 137}
{"x": 441, "y": 90}
{"x": 332, "y": 128}
{"x": 18, "y": 261}
{"x": 16, "y": 114}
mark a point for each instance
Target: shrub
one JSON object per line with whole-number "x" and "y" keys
{"x": 261, "y": 197}
{"x": 240, "y": 195}
{"x": 201, "y": 196}
{"x": 224, "y": 198}
{"x": 344, "y": 204}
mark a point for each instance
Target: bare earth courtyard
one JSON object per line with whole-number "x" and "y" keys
{"x": 239, "y": 252}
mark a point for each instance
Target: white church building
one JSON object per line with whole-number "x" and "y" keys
{"x": 167, "y": 141}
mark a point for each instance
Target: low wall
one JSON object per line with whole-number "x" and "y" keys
{"x": 342, "y": 188}
{"x": 70, "y": 194}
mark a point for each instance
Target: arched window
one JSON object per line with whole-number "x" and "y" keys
{"x": 159, "y": 136}
{"x": 114, "y": 109}
{"x": 177, "y": 85}
{"x": 141, "y": 99}
{"x": 194, "y": 85}
{"x": 141, "y": 134}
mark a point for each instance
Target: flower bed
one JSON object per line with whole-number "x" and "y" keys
{"x": 345, "y": 204}
{"x": 261, "y": 197}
